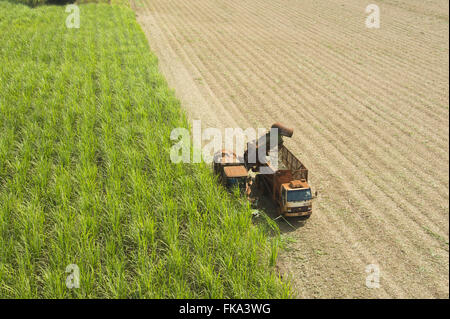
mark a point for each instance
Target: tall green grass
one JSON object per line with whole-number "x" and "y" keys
{"x": 86, "y": 177}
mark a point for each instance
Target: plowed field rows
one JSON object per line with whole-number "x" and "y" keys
{"x": 369, "y": 108}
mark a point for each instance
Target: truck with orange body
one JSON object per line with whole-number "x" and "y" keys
{"x": 230, "y": 170}
{"x": 285, "y": 183}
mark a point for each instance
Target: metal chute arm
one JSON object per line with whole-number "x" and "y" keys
{"x": 283, "y": 130}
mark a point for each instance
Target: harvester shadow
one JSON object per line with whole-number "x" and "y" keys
{"x": 265, "y": 205}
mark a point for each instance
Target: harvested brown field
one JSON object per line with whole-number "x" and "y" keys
{"x": 370, "y": 112}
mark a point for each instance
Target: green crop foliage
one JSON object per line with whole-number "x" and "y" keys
{"x": 86, "y": 177}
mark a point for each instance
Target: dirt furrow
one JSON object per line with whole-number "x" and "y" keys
{"x": 196, "y": 10}
{"x": 234, "y": 64}
{"x": 433, "y": 190}
{"x": 366, "y": 258}
{"x": 443, "y": 151}
{"x": 363, "y": 75}
{"x": 354, "y": 28}
{"x": 419, "y": 162}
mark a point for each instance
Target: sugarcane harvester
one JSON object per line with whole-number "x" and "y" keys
{"x": 230, "y": 170}
{"x": 281, "y": 176}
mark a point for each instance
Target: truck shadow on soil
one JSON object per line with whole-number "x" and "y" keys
{"x": 265, "y": 205}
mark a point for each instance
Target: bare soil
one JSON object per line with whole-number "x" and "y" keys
{"x": 369, "y": 108}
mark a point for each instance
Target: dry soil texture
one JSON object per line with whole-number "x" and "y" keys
{"x": 370, "y": 113}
